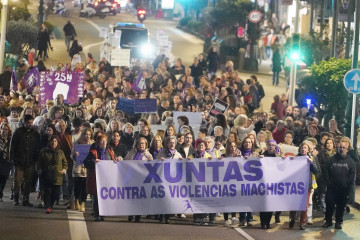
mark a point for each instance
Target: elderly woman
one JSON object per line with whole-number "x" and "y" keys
{"x": 243, "y": 126}
{"x": 169, "y": 152}
{"x": 210, "y": 147}
{"x": 140, "y": 152}
{"x": 305, "y": 150}
{"x": 128, "y": 137}
{"x": 156, "y": 146}
{"x": 100, "y": 152}
{"x": 79, "y": 170}
{"x": 51, "y": 165}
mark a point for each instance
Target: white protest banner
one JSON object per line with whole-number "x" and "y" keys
{"x": 195, "y": 119}
{"x": 201, "y": 186}
{"x": 288, "y": 150}
{"x": 120, "y": 57}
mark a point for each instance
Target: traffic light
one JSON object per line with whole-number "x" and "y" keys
{"x": 295, "y": 48}
{"x": 141, "y": 14}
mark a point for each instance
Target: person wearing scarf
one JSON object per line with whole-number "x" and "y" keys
{"x": 170, "y": 151}
{"x": 100, "y": 152}
{"x": 156, "y": 146}
{"x": 231, "y": 151}
{"x": 305, "y": 149}
{"x": 272, "y": 150}
{"x": 201, "y": 153}
{"x": 140, "y": 152}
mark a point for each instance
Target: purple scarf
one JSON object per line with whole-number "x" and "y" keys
{"x": 201, "y": 154}
{"x": 246, "y": 152}
{"x": 138, "y": 155}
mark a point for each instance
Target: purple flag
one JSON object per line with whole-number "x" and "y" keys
{"x": 139, "y": 83}
{"x": 13, "y": 83}
{"x": 68, "y": 83}
{"x": 31, "y": 79}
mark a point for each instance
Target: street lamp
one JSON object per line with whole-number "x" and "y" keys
{"x": 3, "y": 33}
{"x": 294, "y": 57}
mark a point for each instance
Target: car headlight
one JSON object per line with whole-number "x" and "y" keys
{"x": 147, "y": 50}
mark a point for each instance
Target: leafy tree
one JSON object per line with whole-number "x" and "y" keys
{"x": 17, "y": 12}
{"x": 326, "y": 88}
{"x": 313, "y": 48}
{"x": 22, "y": 36}
{"x": 229, "y": 13}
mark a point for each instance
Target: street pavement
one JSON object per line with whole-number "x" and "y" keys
{"x": 18, "y": 222}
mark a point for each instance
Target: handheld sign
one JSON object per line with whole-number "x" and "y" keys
{"x": 351, "y": 81}
{"x": 218, "y": 107}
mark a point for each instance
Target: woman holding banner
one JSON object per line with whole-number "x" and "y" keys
{"x": 247, "y": 150}
{"x": 200, "y": 153}
{"x": 156, "y": 146}
{"x": 272, "y": 150}
{"x": 305, "y": 149}
{"x": 140, "y": 152}
{"x": 79, "y": 171}
{"x": 100, "y": 152}
{"x": 231, "y": 152}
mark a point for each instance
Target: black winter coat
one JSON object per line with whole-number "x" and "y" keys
{"x": 24, "y": 147}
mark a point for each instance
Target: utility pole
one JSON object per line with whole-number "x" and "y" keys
{"x": 351, "y": 111}
{"x": 297, "y": 17}
{"x": 41, "y": 13}
{"x": 348, "y": 35}
{"x": 334, "y": 26}
{"x": 322, "y": 2}
{"x": 3, "y": 33}
{"x": 312, "y": 17}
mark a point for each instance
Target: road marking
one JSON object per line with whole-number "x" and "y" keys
{"x": 77, "y": 224}
{"x": 244, "y": 234}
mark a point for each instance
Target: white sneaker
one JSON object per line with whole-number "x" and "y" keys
{"x": 234, "y": 221}
{"x": 218, "y": 214}
{"x": 227, "y": 223}
{"x": 183, "y": 216}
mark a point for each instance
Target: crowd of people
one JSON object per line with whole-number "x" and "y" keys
{"x": 39, "y": 142}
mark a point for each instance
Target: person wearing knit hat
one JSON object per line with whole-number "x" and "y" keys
{"x": 305, "y": 149}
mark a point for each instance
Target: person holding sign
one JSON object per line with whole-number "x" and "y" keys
{"x": 51, "y": 166}
{"x": 140, "y": 152}
{"x": 169, "y": 152}
{"x": 100, "y": 152}
{"x": 200, "y": 153}
{"x": 79, "y": 170}
{"x": 231, "y": 151}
